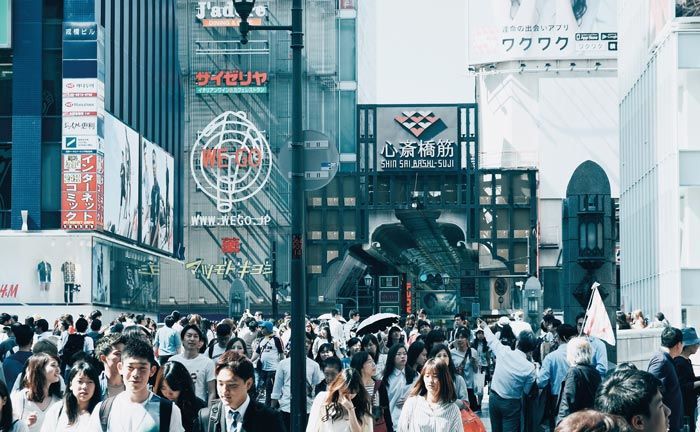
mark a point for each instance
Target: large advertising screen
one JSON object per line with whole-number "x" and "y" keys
{"x": 121, "y": 174}
{"x": 507, "y": 30}
{"x": 45, "y": 270}
{"x": 157, "y": 197}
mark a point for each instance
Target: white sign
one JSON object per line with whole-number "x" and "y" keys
{"x": 82, "y": 143}
{"x": 80, "y": 106}
{"x": 231, "y": 160}
{"x": 83, "y": 87}
{"x": 217, "y": 15}
{"x": 79, "y": 126}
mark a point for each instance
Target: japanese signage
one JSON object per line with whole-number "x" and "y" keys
{"x": 410, "y": 138}
{"x": 5, "y": 23}
{"x": 502, "y": 30}
{"x": 231, "y": 160}
{"x": 82, "y": 127}
{"x": 228, "y": 267}
{"x": 218, "y": 14}
{"x": 230, "y": 245}
{"x": 232, "y": 220}
{"x": 157, "y": 197}
{"x": 231, "y": 82}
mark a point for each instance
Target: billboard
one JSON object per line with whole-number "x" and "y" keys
{"x": 100, "y": 274}
{"x": 5, "y": 23}
{"x": 687, "y": 8}
{"x": 439, "y": 303}
{"x": 45, "y": 269}
{"x": 417, "y": 138}
{"x": 157, "y": 197}
{"x": 121, "y": 178}
{"x": 505, "y": 30}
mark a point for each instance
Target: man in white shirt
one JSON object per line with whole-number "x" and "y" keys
{"x": 336, "y": 327}
{"x": 200, "y": 367}
{"x": 351, "y": 325}
{"x": 282, "y": 390}
{"x": 137, "y": 408}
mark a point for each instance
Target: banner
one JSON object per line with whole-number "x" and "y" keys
{"x": 505, "y": 30}
{"x": 121, "y": 175}
{"x": 597, "y": 322}
{"x": 157, "y": 197}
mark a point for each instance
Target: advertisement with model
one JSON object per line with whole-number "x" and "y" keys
{"x": 157, "y": 197}
{"x": 508, "y": 30}
{"x": 121, "y": 174}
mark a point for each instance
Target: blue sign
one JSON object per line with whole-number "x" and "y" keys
{"x": 79, "y": 31}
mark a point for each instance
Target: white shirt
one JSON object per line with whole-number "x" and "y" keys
{"x": 201, "y": 368}
{"x": 241, "y": 413}
{"x": 397, "y": 390}
{"x": 128, "y": 416}
{"x": 57, "y": 420}
{"x": 420, "y": 416}
{"x": 341, "y": 425}
{"x": 22, "y": 407}
{"x": 336, "y": 330}
{"x": 283, "y": 384}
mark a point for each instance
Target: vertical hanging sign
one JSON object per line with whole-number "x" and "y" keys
{"x": 82, "y": 156}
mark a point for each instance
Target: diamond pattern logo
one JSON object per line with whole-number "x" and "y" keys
{"x": 417, "y": 122}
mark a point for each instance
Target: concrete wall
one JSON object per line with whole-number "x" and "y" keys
{"x": 637, "y": 346}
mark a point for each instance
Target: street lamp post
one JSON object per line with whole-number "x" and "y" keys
{"x": 298, "y": 271}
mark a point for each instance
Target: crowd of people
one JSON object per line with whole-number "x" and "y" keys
{"x": 190, "y": 374}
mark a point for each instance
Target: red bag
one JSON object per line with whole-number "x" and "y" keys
{"x": 470, "y": 421}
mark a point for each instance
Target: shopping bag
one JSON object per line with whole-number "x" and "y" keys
{"x": 479, "y": 382}
{"x": 470, "y": 421}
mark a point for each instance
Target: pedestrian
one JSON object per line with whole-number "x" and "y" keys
{"x": 217, "y": 345}
{"x": 200, "y": 367}
{"x": 660, "y": 321}
{"x": 82, "y": 395}
{"x": 662, "y": 367}
{"x": 235, "y": 409}
{"x": 689, "y": 383}
{"x": 40, "y": 389}
{"x": 431, "y": 402}
{"x": 109, "y": 353}
{"x": 268, "y": 354}
{"x": 371, "y": 345}
{"x": 600, "y": 353}
{"x": 324, "y": 337}
{"x": 513, "y": 378}
{"x": 344, "y": 407}
{"x": 167, "y": 342}
{"x": 237, "y": 344}
{"x": 363, "y": 363}
{"x": 417, "y": 355}
{"x": 331, "y": 367}
{"x": 442, "y": 353}
{"x": 590, "y": 420}
{"x": 14, "y": 363}
{"x": 636, "y": 396}
{"x": 398, "y": 379}
{"x": 7, "y": 421}
{"x": 336, "y": 327}
{"x": 174, "y": 383}
{"x": 466, "y": 363}
{"x": 350, "y": 326}
{"x": 582, "y": 379}
{"x": 485, "y": 364}
{"x": 136, "y": 408}
{"x": 281, "y": 397}
{"x": 553, "y": 371}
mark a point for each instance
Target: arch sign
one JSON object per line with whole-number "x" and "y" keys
{"x": 231, "y": 160}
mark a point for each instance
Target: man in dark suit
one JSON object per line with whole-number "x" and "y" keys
{"x": 662, "y": 367}
{"x": 236, "y": 411}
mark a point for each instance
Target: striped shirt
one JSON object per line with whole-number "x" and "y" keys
{"x": 418, "y": 415}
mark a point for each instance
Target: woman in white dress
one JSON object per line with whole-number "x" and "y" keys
{"x": 83, "y": 394}
{"x": 431, "y": 406}
{"x": 7, "y": 422}
{"x": 41, "y": 388}
{"x": 343, "y": 408}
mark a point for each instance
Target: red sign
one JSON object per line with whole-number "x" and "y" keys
{"x": 409, "y": 300}
{"x": 82, "y": 186}
{"x": 234, "y": 81}
{"x": 230, "y": 245}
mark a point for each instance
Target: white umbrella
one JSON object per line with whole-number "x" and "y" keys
{"x": 327, "y": 316}
{"x": 376, "y": 322}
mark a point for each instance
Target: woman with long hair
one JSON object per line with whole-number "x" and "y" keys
{"x": 325, "y": 351}
{"x": 417, "y": 355}
{"x": 370, "y": 343}
{"x": 40, "y": 389}
{"x": 7, "y": 423}
{"x": 441, "y": 352}
{"x": 397, "y": 379}
{"x": 324, "y": 337}
{"x": 363, "y": 363}
{"x": 237, "y": 344}
{"x": 430, "y": 406}
{"x": 175, "y": 384}
{"x": 82, "y": 395}
{"x": 396, "y": 336}
{"x": 344, "y": 407}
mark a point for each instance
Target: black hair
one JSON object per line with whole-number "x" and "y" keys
{"x": 333, "y": 362}
{"x": 435, "y": 336}
{"x": 527, "y": 341}
{"x": 462, "y": 332}
{"x": 389, "y": 367}
{"x": 169, "y": 321}
{"x": 352, "y": 313}
{"x": 460, "y": 315}
{"x": 223, "y": 330}
{"x": 239, "y": 365}
{"x": 23, "y": 334}
{"x": 579, "y": 8}
{"x": 508, "y": 337}
{"x": 325, "y": 347}
{"x": 414, "y": 351}
{"x": 41, "y": 325}
{"x": 358, "y": 361}
{"x": 138, "y": 348}
{"x": 6, "y": 421}
{"x": 233, "y": 340}
{"x": 176, "y": 315}
{"x": 660, "y": 316}
{"x": 194, "y": 327}
{"x": 566, "y": 332}
{"x": 335, "y": 312}
{"x": 394, "y": 329}
{"x": 451, "y": 365}
{"x": 670, "y": 337}
{"x": 177, "y": 377}
{"x": 580, "y": 315}
{"x": 627, "y": 393}
{"x": 70, "y": 402}
{"x": 81, "y": 325}
{"x": 107, "y": 343}
{"x": 422, "y": 323}
{"x": 96, "y": 324}
{"x": 366, "y": 340}
{"x": 352, "y": 341}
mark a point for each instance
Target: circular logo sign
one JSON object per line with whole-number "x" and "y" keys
{"x": 231, "y": 160}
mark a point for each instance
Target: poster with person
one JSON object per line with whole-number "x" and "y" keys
{"x": 100, "y": 273}
{"x": 157, "y": 197}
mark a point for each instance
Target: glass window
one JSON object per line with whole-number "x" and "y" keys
{"x": 51, "y": 177}
{"x": 346, "y": 122}
{"x": 346, "y": 50}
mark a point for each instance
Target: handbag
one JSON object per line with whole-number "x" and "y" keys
{"x": 470, "y": 421}
{"x": 378, "y": 411}
{"x": 479, "y": 381}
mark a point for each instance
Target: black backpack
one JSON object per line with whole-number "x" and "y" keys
{"x": 74, "y": 344}
{"x": 166, "y": 411}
